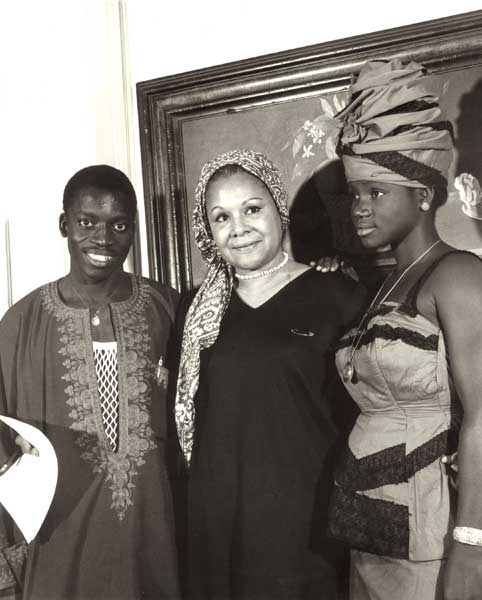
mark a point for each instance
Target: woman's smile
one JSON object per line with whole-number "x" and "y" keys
{"x": 245, "y": 248}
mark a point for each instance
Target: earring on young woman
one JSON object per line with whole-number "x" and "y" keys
{"x": 425, "y": 205}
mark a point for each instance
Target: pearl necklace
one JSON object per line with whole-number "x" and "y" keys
{"x": 349, "y": 369}
{"x": 259, "y": 274}
{"x": 95, "y": 318}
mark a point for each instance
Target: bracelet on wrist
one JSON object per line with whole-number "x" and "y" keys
{"x": 468, "y": 535}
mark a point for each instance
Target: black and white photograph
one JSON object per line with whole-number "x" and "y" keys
{"x": 240, "y": 299}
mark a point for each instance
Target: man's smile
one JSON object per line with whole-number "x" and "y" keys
{"x": 99, "y": 260}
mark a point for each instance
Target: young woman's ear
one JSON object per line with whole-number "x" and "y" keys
{"x": 425, "y": 198}
{"x": 63, "y": 225}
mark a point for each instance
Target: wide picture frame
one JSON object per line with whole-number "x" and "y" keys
{"x": 283, "y": 105}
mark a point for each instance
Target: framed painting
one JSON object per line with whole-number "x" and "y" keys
{"x": 283, "y": 105}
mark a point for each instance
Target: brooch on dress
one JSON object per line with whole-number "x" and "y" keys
{"x": 302, "y": 332}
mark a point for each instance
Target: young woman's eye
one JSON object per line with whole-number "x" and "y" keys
{"x": 120, "y": 227}
{"x": 85, "y": 222}
{"x": 220, "y": 218}
{"x": 376, "y": 194}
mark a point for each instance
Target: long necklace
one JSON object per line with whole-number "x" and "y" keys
{"x": 349, "y": 369}
{"x": 95, "y": 318}
{"x": 266, "y": 271}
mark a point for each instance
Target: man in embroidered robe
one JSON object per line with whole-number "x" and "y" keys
{"x": 83, "y": 359}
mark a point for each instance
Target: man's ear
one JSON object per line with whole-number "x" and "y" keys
{"x": 63, "y": 224}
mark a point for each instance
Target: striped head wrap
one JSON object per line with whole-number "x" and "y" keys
{"x": 204, "y": 316}
{"x": 393, "y": 129}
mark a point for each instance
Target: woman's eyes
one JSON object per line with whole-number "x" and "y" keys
{"x": 374, "y": 195}
{"x": 250, "y": 210}
{"x": 220, "y": 218}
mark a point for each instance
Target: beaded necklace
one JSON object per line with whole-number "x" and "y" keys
{"x": 259, "y": 274}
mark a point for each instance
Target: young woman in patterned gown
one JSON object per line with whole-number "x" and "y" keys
{"x": 413, "y": 362}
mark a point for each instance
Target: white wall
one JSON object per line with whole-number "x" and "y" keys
{"x": 68, "y": 70}
{"x": 181, "y": 35}
{"x": 62, "y": 107}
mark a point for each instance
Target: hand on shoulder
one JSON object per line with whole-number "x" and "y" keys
{"x": 331, "y": 264}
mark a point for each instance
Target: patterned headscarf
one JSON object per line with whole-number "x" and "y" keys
{"x": 393, "y": 129}
{"x": 204, "y": 316}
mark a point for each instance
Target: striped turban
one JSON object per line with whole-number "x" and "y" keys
{"x": 393, "y": 129}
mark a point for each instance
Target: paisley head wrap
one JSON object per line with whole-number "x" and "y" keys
{"x": 204, "y": 316}
{"x": 393, "y": 129}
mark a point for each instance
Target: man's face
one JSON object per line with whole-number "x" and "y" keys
{"x": 100, "y": 228}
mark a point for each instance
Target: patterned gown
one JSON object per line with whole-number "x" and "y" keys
{"x": 109, "y": 533}
{"x": 392, "y": 496}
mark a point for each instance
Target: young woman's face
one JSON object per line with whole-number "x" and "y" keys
{"x": 383, "y": 213}
{"x": 100, "y": 229}
{"x": 244, "y": 221}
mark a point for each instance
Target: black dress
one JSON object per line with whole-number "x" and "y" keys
{"x": 268, "y": 412}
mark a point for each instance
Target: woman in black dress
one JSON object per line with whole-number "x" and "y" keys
{"x": 256, "y": 408}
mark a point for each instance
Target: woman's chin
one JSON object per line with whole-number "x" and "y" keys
{"x": 372, "y": 243}
{"x": 251, "y": 264}
{"x": 247, "y": 269}
{"x": 368, "y": 244}
{"x": 252, "y": 267}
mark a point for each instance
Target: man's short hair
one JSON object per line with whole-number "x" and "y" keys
{"x": 100, "y": 178}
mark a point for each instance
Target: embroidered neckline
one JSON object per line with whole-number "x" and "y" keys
{"x": 54, "y": 290}
{"x": 136, "y": 379}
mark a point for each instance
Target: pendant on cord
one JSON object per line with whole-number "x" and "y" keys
{"x": 95, "y": 319}
{"x": 348, "y": 372}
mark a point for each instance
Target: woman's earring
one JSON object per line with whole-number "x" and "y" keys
{"x": 425, "y": 205}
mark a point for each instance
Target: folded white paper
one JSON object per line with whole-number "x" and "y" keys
{"x": 28, "y": 487}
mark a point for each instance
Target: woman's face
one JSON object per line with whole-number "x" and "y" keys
{"x": 100, "y": 229}
{"x": 383, "y": 213}
{"x": 244, "y": 221}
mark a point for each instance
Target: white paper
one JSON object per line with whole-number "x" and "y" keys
{"x": 27, "y": 488}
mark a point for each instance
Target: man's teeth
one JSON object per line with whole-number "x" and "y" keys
{"x": 100, "y": 257}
